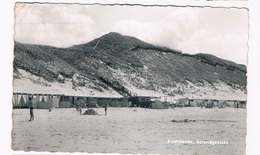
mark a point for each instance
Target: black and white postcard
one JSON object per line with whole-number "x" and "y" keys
{"x": 138, "y": 79}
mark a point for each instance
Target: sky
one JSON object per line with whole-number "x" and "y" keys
{"x": 219, "y": 31}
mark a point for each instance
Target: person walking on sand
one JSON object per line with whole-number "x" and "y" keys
{"x": 31, "y": 109}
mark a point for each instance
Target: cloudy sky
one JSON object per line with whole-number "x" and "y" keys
{"x": 219, "y": 31}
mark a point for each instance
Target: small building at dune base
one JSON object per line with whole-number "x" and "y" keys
{"x": 159, "y": 105}
{"x": 47, "y": 101}
{"x": 40, "y": 101}
{"x": 113, "y": 102}
{"x": 141, "y": 101}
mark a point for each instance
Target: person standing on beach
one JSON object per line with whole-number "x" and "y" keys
{"x": 31, "y": 109}
{"x": 80, "y": 110}
{"x": 129, "y": 104}
{"x": 105, "y": 108}
{"x": 87, "y": 105}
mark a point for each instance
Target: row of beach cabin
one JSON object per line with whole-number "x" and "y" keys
{"x": 47, "y": 101}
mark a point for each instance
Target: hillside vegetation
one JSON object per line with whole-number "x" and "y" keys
{"x": 129, "y": 66}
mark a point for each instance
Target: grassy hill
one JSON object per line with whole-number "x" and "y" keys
{"x": 128, "y": 65}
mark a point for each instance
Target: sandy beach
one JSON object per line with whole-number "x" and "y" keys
{"x": 132, "y": 130}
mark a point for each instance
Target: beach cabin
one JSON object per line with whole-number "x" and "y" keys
{"x": 20, "y": 100}
{"x": 66, "y": 101}
{"x": 142, "y": 101}
{"x": 92, "y": 102}
{"x": 46, "y": 101}
{"x": 120, "y": 102}
{"x": 182, "y": 102}
{"x": 215, "y": 103}
{"x": 240, "y": 104}
{"x": 230, "y": 103}
{"x": 196, "y": 102}
{"x": 169, "y": 99}
{"x": 113, "y": 102}
{"x": 55, "y": 101}
{"x": 222, "y": 104}
{"x": 39, "y": 101}
{"x": 209, "y": 103}
{"x": 157, "y": 104}
{"x": 80, "y": 101}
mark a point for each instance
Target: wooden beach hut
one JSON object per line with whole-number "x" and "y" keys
{"x": 141, "y": 101}
{"x": 158, "y": 105}
{"x": 66, "y": 101}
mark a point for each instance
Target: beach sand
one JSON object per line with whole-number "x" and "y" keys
{"x": 131, "y": 130}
